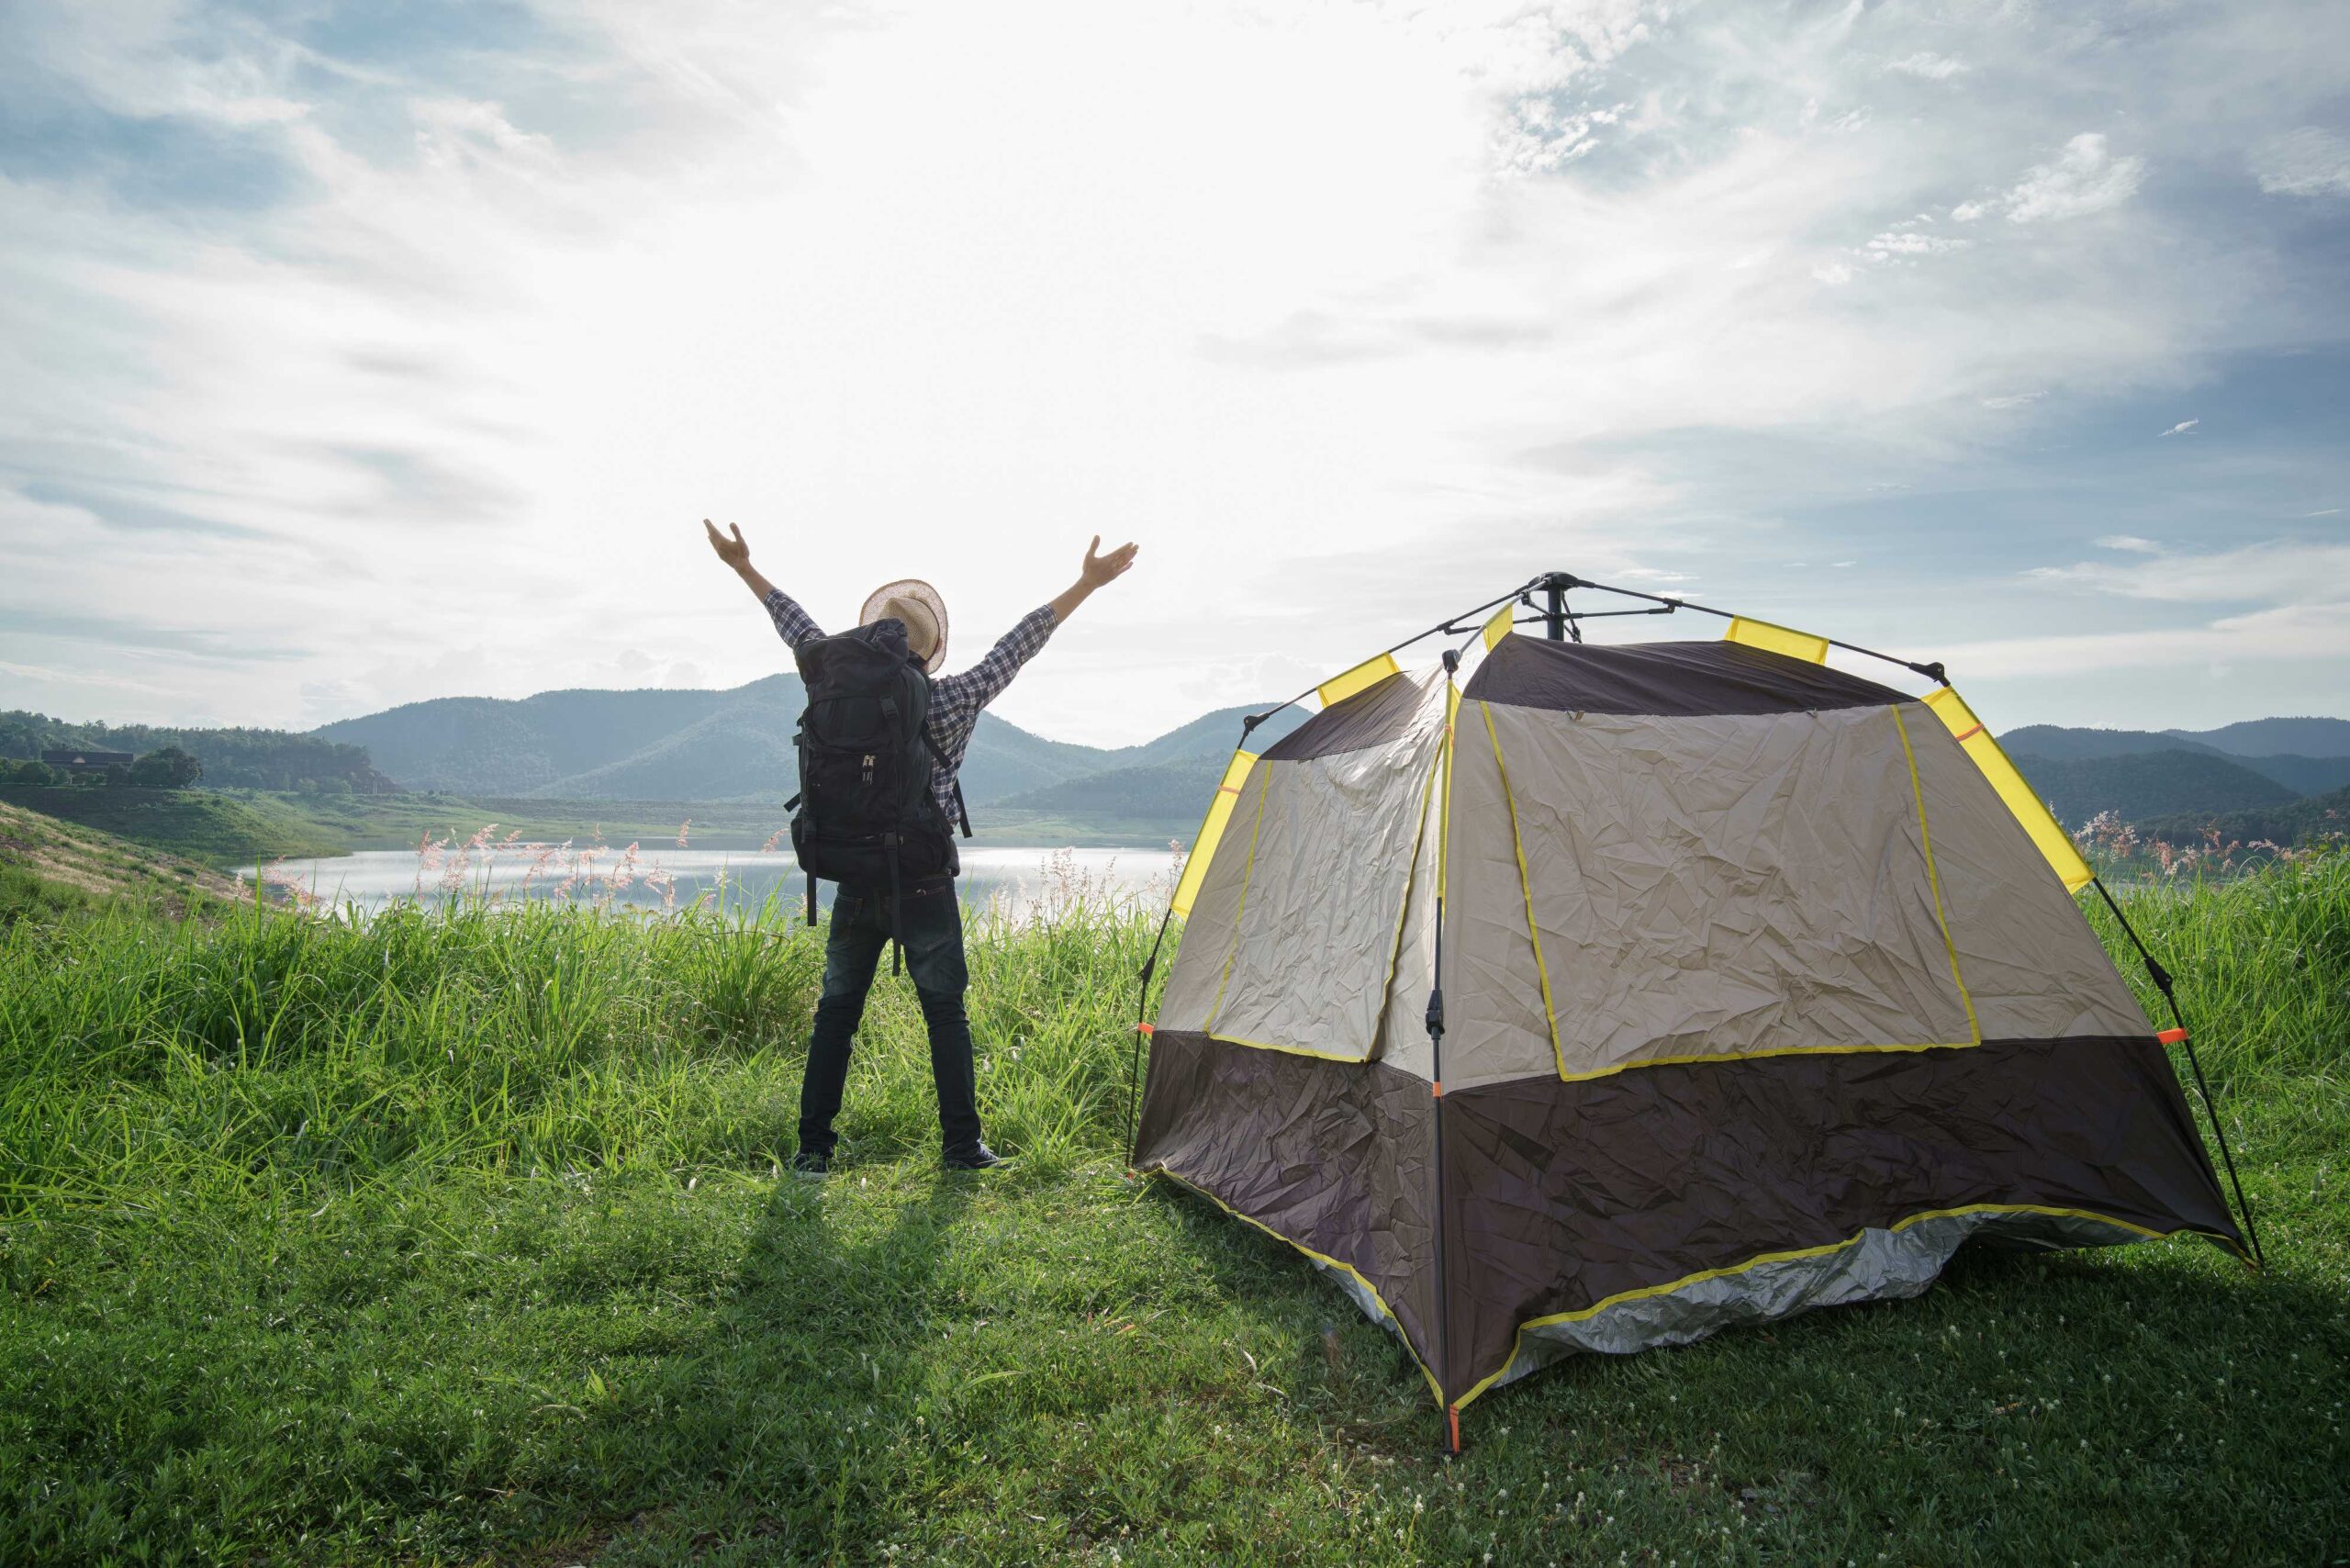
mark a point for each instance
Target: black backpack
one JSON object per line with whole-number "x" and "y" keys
{"x": 864, "y": 812}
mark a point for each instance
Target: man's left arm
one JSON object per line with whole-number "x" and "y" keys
{"x": 984, "y": 681}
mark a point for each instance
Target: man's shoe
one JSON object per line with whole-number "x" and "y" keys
{"x": 809, "y": 1167}
{"x": 979, "y": 1156}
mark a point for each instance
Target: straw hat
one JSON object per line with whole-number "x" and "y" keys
{"x": 917, "y": 604}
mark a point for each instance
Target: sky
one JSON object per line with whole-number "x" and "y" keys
{"x": 356, "y": 354}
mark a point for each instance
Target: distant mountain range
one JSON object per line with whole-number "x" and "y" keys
{"x": 2145, "y": 775}
{"x": 736, "y": 746}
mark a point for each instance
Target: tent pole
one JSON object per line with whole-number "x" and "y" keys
{"x": 1554, "y": 614}
{"x": 2161, "y": 977}
{"x": 1436, "y": 1064}
{"x": 1449, "y": 626}
{"x": 1142, "y": 1033}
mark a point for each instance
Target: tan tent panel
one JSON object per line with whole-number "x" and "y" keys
{"x": 1497, "y": 1026}
{"x": 1402, "y": 1027}
{"x": 1322, "y": 846}
{"x": 2033, "y": 968}
{"x": 1693, "y": 899}
{"x": 1623, "y": 994}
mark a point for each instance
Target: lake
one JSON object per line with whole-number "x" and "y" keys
{"x": 662, "y": 879}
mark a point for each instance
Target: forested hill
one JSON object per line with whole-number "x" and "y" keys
{"x": 735, "y": 746}
{"x": 2273, "y": 737}
{"x": 233, "y": 758}
{"x": 2171, "y": 776}
{"x": 721, "y": 746}
{"x": 2143, "y": 785}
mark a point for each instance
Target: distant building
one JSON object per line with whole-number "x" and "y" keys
{"x": 84, "y": 761}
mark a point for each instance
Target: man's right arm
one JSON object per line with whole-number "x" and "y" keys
{"x": 793, "y": 624}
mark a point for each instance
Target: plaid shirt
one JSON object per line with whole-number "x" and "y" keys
{"x": 955, "y": 700}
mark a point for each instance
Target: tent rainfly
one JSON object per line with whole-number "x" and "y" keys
{"x": 1626, "y": 993}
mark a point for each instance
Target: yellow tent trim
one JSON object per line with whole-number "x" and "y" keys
{"x": 1933, "y": 876}
{"x": 1247, "y": 873}
{"x": 1755, "y": 1263}
{"x": 1368, "y": 673}
{"x": 1195, "y": 865}
{"x": 1498, "y": 626}
{"x": 1326, "y": 1261}
{"x": 2055, "y": 846}
{"x": 1525, "y": 888}
{"x": 1716, "y": 1058}
{"x": 1777, "y": 639}
{"x": 1287, "y": 1050}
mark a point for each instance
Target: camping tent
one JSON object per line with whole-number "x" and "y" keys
{"x": 1621, "y": 994}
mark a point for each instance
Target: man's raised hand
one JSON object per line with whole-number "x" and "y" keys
{"x": 735, "y": 552}
{"x": 1099, "y": 568}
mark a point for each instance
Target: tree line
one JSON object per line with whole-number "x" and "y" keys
{"x": 237, "y": 758}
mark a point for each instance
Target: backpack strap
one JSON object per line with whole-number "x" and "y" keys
{"x": 962, "y": 811}
{"x": 897, "y": 907}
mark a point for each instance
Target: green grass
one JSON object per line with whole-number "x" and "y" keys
{"x": 26, "y": 895}
{"x": 229, "y": 828}
{"x": 462, "y": 1239}
{"x": 211, "y": 827}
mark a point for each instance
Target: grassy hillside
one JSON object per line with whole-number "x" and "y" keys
{"x": 203, "y": 825}
{"x": 2148, "y": 784}
{"x": 464, "y": 1240}
{"x": 247, "y": 828}
{"x": 48, "y": 868}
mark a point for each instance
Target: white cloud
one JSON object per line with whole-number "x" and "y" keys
{"x": 2300, "y": 590}
{"x": 2275, "y": 571}
{"x": 1932, "y": 67}
{"x": 1419, "y": 291}
{"x": 2292, "y": 634}
{"x": 1908, "y": 244}
{"x": 2184, "y": 427}
{"x": 2309, "y": 161}
{"x": 2083, "y": 178}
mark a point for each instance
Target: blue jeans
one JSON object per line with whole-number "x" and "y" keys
{"x": 930, "y": 923}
